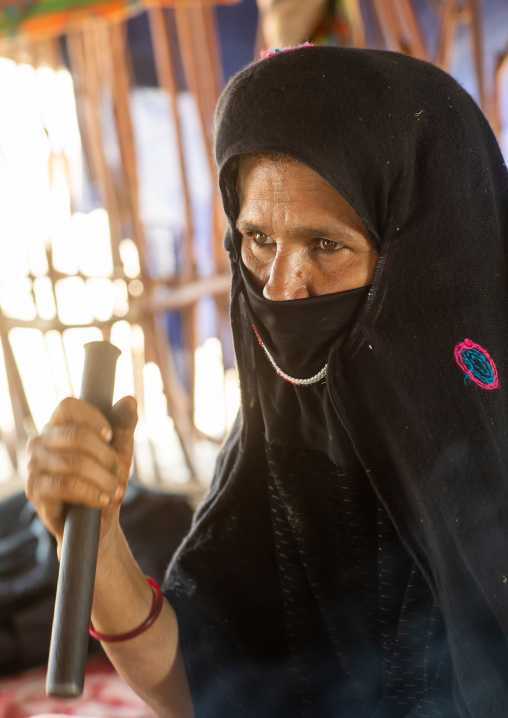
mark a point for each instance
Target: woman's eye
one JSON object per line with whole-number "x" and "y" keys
{"x": 260, "y": 238}
{"x": 328, "y": 245}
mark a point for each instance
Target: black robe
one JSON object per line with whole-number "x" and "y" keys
{"x": 419, "y": 385}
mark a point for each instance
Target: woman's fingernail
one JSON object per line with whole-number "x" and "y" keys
{"x": 104, "y": 499}
{"x": 106, "y": 434}
{"x": 115, "y": 469}
{"x": 118, "y": 494}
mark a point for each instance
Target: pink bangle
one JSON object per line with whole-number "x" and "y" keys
{"x": 155, "y": 610}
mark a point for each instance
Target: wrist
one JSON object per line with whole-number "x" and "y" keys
{"x": 111, "y": 543}
{"x": 111, "y": 556}
{"x": 155, "y": 610}
{"x": 122, "y": 596}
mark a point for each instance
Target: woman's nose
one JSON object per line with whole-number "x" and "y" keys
{"x": 287, "y": 278}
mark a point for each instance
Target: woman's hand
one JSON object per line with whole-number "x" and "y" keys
{"x": 81, "y": 458}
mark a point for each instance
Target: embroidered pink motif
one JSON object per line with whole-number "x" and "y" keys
{"x": 279, "y": 51}
{"x": 477, "y": 364}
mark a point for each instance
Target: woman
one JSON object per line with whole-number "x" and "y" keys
{"x": 351, "y": 558}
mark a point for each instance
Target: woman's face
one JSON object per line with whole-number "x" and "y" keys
{"x": 300, "y": 238}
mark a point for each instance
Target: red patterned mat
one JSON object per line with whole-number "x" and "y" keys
{"x": 105, "y": 695}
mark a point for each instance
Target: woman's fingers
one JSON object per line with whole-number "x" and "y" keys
{"x": 80, "y": 457}
{"x": 77, "y": 411}
{"x": 60, "y": 489}
{"x": 124, "y": 417}
{"x": 73, "y": 438}
{"x": 51, "y": 454}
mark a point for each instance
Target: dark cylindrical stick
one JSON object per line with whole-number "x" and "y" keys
{"x": 73, "y": 605}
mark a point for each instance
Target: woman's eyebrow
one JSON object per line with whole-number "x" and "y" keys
{"x": 327, "y": 231}
{"x": 335, "y": 231}
{"x": 246, "y": 227}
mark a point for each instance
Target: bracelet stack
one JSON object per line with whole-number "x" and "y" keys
{"x": 155, "y": 610}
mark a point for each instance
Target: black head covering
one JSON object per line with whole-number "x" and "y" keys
{"x": 420, "y": 383}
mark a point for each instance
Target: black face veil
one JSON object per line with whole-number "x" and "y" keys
{"x": 421, "y": 382}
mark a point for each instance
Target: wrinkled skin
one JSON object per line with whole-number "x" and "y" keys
{"x": 300, "y": 238}
{"x": 80, "y": 457}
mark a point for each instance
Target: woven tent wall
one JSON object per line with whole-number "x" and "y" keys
{"x": 130, "y": 296}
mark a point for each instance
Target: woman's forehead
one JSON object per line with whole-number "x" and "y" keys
{"x": 273, "y": 173}
{"x": 281, "y": 190}
{"x": 279, "y": 175}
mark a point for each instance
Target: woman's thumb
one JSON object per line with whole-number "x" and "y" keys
{"x": 124, "y": 417}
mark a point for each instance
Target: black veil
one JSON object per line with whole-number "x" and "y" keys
{"x": 420, "y": 384}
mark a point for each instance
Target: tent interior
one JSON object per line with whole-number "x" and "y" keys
{"x": 111, "y": 228}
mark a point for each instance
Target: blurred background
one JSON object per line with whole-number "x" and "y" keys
{"x": 111, "y": 227}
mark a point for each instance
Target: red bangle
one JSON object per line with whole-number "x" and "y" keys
{"x": 155, "y": 610}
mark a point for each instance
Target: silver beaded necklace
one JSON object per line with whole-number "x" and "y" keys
{"x": 291, "y": 379}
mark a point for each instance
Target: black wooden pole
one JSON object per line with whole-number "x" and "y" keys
{"x": 74, "y": 595}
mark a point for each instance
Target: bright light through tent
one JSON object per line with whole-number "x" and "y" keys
{"x": 71, "y": 139}
{"x": 44, "y": 297}
{"x": 55, "y": 92}
{"x": 6, "y": 420}
{"x": 93, "y": 242}
{"x": 16, "y": 299}
{"x": 135, "y": 287}
{"x": 6, "y": 416}
{"x": 155, "y": 401}
{"x": 232, "y": 396}
{"x": 130, "y": 258}
{"x": 121, "y": 301}
{"x": 121, "y": 338}
{"x": 81, "y": 242}
{"x": 59, "y": 364}
{"x": 100, "y": 298}
{"x": 50, "y": 106}
{"x": 33, "y": 362}
{"x": 158, "y": 440}
{"x": 71, "y": 296}
{"x": 41, "y": 176}
{"x": 138, "y": 362}
{"x": 35, "y": 247}
{"x": 60, "y": 195}
{"x": 138, "y": 340}
{"x": 63, "y": 242}
{"x": 209, "y": 406}
{"x": 24, "y": 151}
{"x": 57, "y": 107}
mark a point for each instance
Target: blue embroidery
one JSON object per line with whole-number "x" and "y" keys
{"x": 477, "y": 364}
